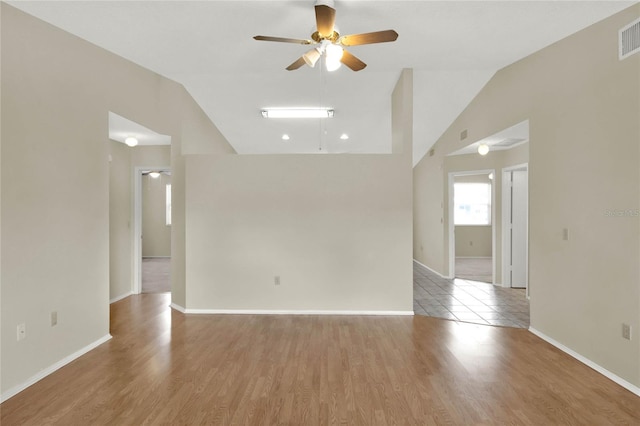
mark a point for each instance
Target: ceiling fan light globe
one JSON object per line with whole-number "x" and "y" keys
{"x": 334, "y": 52}
{"x": 332, "y": 65}
{"x": 311, "y": 57}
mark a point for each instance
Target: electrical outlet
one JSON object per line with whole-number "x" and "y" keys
{"x": 626, "y": 331}
{"x": 276, "y": 280}
{"x": 54, "y": 318}
{"x": 22, "y": 331}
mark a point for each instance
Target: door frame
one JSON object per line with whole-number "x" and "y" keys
{"x": 506, "y": 241}
{"x": 136, "y": 283}
{"x": 452, "y": 236}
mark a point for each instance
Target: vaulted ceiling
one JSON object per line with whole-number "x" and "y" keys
{"x": 454, "y": 48}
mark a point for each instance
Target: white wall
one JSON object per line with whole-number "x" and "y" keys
{"x": 584, "y": 155}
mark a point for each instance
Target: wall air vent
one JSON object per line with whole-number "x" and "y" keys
{"x": 629, "y": 39}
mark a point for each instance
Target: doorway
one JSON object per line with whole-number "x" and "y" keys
{"x": 471, "y": 223}
{"x": 152, "y": 229}
{"x": 515, "y": 223}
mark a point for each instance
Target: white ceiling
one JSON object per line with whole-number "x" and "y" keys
{"x": 454, "y": 48}
{"x": 515, "y": 135}
{"x": 120, "y": 128}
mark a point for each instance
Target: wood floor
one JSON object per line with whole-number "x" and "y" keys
{"x": 164, "y": 367}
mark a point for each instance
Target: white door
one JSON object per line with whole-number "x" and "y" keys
{"x": 519, "y": 226}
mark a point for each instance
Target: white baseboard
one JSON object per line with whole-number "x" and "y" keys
{"x": 608, "y": 374}
{"x": 473, "y": 257}
{"x": 156, "y": 257}
{"x": 44, "y": 373}
{"x": 435, "y": 272}
{"x": 290, "y": 312}
{"x": 118, "y": 298}
{"x": 178, "y": 308}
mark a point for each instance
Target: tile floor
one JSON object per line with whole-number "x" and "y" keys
{"x": 468, "y": 301}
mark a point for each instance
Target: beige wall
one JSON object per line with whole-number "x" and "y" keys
{"x": 156, "y": 234}
{"x": 583, "y": 105}
{"x": 150, "y": 156}
{"x": 120, "y": 220}
{"x": 473, "y": 241}
{"x": 55, "y": 211}
{"x": 333, "y": 228}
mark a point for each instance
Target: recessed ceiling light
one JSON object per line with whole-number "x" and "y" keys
{"x": 483, "y": 149}
{"x": 131, "y": 141}
{"x": 297, "y": 113}
{"x": 154, "y": 175}
{"x": 344, "y": 136}
{"x": 285, "y": 137}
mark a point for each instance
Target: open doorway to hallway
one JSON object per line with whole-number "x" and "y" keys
{"x": 156, "y": 230}
{"x": 134, "y": 151}
{"x": 473, "y": 226}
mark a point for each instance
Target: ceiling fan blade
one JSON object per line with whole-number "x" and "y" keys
{"x": 368, "y": 38}
{"x": 325, "y": 19}
{"x": 297, "y": 64}
{"x": 283, "y": 39}
{"x": 352, "y": 62}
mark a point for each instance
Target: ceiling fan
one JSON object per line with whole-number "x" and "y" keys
{"x": 330, "y": 43}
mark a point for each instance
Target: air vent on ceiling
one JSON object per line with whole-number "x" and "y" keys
{"x": 629, "y": 39}
{"x": 508, "y": 142}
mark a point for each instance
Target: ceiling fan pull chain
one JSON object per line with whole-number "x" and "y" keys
{"x": 321, "y": 122}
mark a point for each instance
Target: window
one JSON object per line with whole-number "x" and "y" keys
{"x": 472, "y": 203}
{"x": 168, "y": 204}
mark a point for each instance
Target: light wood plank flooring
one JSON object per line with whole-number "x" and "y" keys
{"x": 164, "y": 367}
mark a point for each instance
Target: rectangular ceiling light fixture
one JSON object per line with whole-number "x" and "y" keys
{"x": 297, "y": 113}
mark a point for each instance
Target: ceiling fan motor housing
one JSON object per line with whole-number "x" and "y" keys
{"x": 316, "y": 36}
